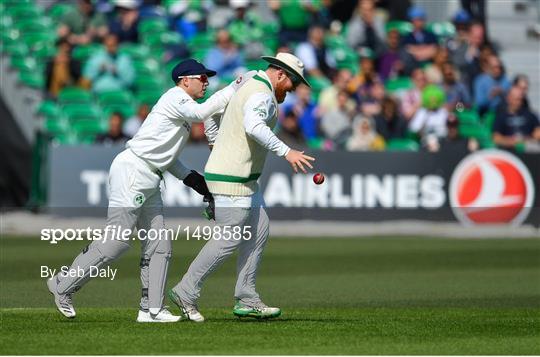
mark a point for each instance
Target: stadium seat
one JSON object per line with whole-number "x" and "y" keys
{"x": 161, "y": 39}
{"x": 153, "y": 25}
{"x": 70, "y": 95}
{"x": 135, "y": 51}
{"x": 32, "y": 79}
{"x": 146, "y": 67}
{"x": 36, "y": 39}
{"x": 67, "y": 138}
{"x": 403, "y": 27}
{"x": 477, "y": 131}
{"x": 16, "y": 49}
{"x": 79, "y": 112}
{"x": 149, "y": 97}
{"x": 56, "y": 125}
{"x": 205, "y": 39}
{"x": 402, "y": 145}
{"x": 468, "y": 117}
{"x": 83, "y": 53}
{"x": 49, "y": 109}
{"x": 115, "y": 97}
{"x": 399, "y": 84}
{"x": 127, "y": 110}
{"x": 443, "y": 29}
{"x": 89, "y": 127}
{"x": 23, "y": 63}
{"x": 58, "y": 10}
{"x": 489, "y": 120}
{"x": 20, "y": 10}
{"x": 42, "y": 24}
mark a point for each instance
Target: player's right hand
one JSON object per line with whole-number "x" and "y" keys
{"x": 298, "y": 159}
{"x": 242, "y": 79}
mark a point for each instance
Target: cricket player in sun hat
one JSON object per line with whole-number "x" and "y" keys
{"x": 239, "y": 151}
{"x": 135, "y": 195}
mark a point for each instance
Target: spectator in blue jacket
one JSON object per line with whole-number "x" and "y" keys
{"x": 305, "y": 109}
{"x": 491, "y": 86}
{"x": 225, "y": 57}
{"x": 420, "y": 44}
{"x": 109, "y": 70}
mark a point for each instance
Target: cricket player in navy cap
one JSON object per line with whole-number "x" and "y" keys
{"x": 135, "y": 196}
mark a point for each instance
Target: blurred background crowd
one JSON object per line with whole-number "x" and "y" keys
{"x": 384, "y": 76}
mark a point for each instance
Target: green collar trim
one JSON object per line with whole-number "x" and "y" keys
{"x": 228, "y": 178}
{"x": 259, "y": 78}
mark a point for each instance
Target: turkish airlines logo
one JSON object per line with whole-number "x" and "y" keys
{"x": 491, "y": 187}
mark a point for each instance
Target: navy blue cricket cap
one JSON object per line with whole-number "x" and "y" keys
{"x": 190, "y": 67}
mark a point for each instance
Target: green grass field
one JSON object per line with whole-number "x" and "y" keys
{"x": 338, "y": 296}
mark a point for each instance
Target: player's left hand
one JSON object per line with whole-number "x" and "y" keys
{"x": 242, "y": 79}
{"x": 196, "y": 181}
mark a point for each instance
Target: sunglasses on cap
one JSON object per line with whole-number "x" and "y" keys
{"x": 202, "y": 77}
{"x": 294, "y": 79}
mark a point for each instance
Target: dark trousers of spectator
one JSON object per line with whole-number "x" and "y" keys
{"x": 287, "y": 36}
{"x": 477, "y": 9}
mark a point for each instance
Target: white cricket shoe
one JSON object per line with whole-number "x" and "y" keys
{"x": 63, "y": 301}
{"x": 163, "y": 315}
{"x": 190, "y": 311}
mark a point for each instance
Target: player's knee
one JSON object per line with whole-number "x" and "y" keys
{"x": 112, "y": 249}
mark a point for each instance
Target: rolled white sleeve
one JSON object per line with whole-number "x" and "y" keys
{"x": 258, "y": 109}
{"x": 188, "y": 109}
{"x": 211, "y": 126}
{"x": 178, "y": 170}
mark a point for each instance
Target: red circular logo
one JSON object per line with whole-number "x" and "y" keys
{"x": 491, "y": 187}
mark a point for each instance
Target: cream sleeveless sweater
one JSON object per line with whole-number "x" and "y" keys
{"x": 236, "y": 161}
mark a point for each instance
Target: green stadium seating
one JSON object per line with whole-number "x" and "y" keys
{"x": 70, "y": 95}
{"x": 399, "y": 84}
{"x": 204, "y": 39}
{"x": 403, "y": 27}
{"x": 67, "y": 138}
{"x": 78, "y": 112}
{"x": 10, "y": 36}
{"x": 146, "y": 67}
{"x": 36, "y": 39}
{"x": 153, "y": 25}
{"x": 477, "y": 131}
{"x": 83, "y": 53}
{"x": 58, "y": 10}
{"x": 157, "y": 39}
{"x": 20, "y": 10}
{"x": 442, "y": 29}
{"x": 115, "y": 97}
{"x": 127, "y": 110}
{"x": 32, "y": 79}
{"x": 149, "y": 97}
{"x": 16, "y": 49}
{"x": 135, "y": 51}
{"x": 43, "y": 53}
{"x": 56, "y": 126}
{"x": 42, "y": 24}
{"x": 49, "y": 109}
{"x": 402, "y": 145}
{"x": 468, "y": 117}
{"x": 23, "y": 63}
{"x": 92, "y": 127}
{"x": 489, "y": 120}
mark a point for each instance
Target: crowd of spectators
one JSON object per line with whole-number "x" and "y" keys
{"x": 356, "y": 110}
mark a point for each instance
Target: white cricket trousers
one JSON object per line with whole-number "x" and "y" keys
{"x": 231, "y": 211}
{"x": 134, "y": 201}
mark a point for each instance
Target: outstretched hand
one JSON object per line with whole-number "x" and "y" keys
{"x": 298, "y": 159}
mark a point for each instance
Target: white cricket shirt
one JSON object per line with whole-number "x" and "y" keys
{"x": 165, "y": 131}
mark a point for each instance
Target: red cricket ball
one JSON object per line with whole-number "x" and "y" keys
{"x": 318, "y": 178}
